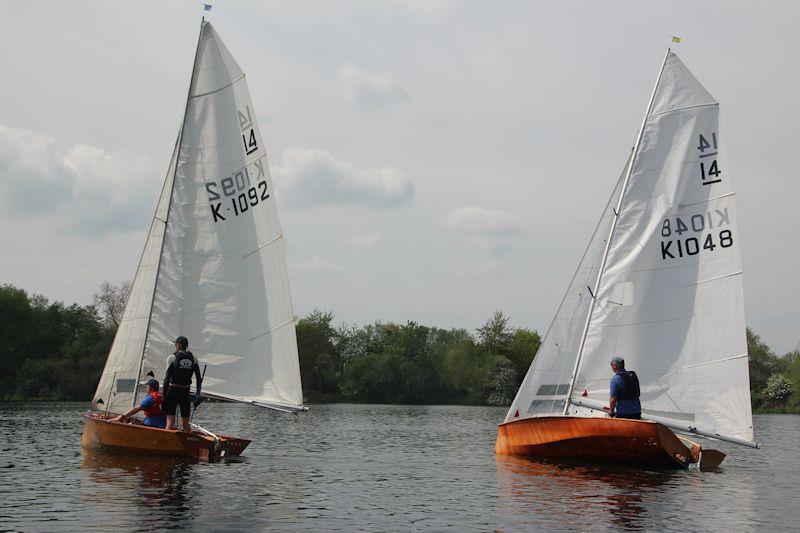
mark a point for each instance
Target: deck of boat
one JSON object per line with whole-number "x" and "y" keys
{"x": 611, "y": 440}
{"x": 134, "y": 437}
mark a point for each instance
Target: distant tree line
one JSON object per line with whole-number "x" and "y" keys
{"x": 412, "y": 363}
{"x": 50, "y": 351}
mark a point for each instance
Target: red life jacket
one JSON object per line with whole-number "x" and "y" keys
{"x": 155, "y": 409}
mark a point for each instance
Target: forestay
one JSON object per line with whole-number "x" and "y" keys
{"x": 213, "y": 268}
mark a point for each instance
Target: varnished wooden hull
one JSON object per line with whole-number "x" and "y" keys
{"x": 610, "y": 440}
{"x": 99, "y": 432}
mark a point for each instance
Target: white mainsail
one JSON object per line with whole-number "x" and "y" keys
{"x": 213, "y": 267}
{"x": 669, "y": 299}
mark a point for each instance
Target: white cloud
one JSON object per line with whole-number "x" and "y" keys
{"x": 79, "y": 188}
{"x": 370, "y": 90}
{"x": 486, "y": 270}
{"x": 362, "y": 242}
{"x": 481, "y": 222}
{"x": 316, "y": 265}
{"x": 312, "y": 177}
{"x": 489, "y": 229}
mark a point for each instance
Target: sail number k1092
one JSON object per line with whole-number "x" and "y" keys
{"x": 237, "y": 193}
{"x": 684, "y": 236}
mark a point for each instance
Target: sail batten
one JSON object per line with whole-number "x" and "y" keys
{"x": 201, "y": 95}
{"x": 684, "y": 108}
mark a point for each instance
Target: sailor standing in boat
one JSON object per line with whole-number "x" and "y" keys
{"x": 624, "y": 401}
{"x": 180, "y": 367}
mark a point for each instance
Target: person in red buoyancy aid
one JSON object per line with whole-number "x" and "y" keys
{"x": 151, "y": 406}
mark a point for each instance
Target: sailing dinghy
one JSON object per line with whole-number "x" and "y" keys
{"x": 660, "y": 285}
{"x": 213, "y": 269}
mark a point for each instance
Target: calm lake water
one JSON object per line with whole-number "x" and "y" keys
{"x": 376, "y": 468}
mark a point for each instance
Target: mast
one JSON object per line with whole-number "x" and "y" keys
{"x": 611, "y": 234}
{"x": 169, "y": 207}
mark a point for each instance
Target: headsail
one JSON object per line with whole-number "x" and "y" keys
{"x": 545, "y": 387}
{"x": 214, "y": 266}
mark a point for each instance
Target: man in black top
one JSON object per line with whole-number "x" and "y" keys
{"x": 180, "y": 367}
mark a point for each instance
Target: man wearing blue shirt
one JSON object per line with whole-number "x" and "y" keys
{"x": 624, "y": 401}
{"x": 151, "y": 405}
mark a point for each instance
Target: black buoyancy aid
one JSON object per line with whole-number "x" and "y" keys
{"x": 183, "y": 368}
{"x": 630, "y": 385}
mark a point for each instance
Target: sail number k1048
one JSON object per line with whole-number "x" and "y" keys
{"x": 684, "y": 236}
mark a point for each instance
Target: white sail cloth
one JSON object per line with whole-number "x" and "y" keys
{"x": 670, "y": 298}
{"x": 214, "y": 267}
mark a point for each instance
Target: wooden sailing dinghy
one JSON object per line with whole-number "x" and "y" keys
{"x": 660, "y": 284}
{"x": 213, "y": 269}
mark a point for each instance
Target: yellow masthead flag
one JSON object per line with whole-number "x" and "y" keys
{"x": 676, "y": 39}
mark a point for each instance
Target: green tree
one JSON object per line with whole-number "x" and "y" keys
{"x": 495, "y": 334}
{"x": 522, "y": 348}
{"x": 778, "y": 390}
{"x": 48, "y": 350}
{"x": 318, "y": 353}
{"x": 763, "y": 364}
{"x": 501, "y": 383}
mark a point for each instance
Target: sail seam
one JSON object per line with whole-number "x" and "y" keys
{"x": 248, "y": 254}
{"x": 218, "y": 90}
{"x": 273, "y": 329}
{"x": 681, "y": 206}
{"x": 713, "y": 279}
{"x": 684, "y": 108}
{"x": 621, "y": 325}
{"x": 716, "y": 361}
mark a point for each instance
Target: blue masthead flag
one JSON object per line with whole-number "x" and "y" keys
{"x": 207, "y": 7}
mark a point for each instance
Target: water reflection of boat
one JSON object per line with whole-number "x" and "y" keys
{"x": 660, "y": 284}
{"x": 157, "y": 484}
{"x": 213, "y": 269}
{"x": 573, "y": 495}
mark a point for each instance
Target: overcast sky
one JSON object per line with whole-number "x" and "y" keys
{"x": 433, "y": 161}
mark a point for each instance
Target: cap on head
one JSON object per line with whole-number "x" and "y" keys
{"x": 182, "y": 342}
{"x": 618, "y": 361}
{"x": 153, "y": 384}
